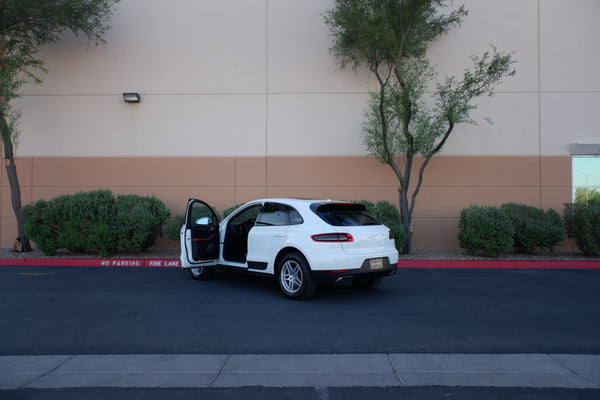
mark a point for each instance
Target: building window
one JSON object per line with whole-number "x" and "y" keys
{"x": 586, "y": 172}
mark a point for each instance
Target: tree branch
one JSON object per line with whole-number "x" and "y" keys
{"x": 428, "y": 158}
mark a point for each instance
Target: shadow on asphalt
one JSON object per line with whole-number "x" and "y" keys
{"x": 254, "y": 283}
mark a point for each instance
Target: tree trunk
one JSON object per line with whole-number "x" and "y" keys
{"x": 13, "y": 180}
{"x": 406, "y": 219}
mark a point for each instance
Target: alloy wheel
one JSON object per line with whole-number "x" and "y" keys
{"x": 291, "y": 276}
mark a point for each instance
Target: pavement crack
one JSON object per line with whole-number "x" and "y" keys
{"x": 572, "y": 370}
{"x": 49, "y": 372}
{"x": 220, "y": 371}
{"x": 394, "y": 370}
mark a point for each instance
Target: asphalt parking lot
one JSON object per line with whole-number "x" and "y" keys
{"x": 421, "y": 327}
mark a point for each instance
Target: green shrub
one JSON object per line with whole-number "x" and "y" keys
{"x": 534, "y": 227}
{"x": 485, "y": 230}
{"x": 40, "y": 227}
{"x": 386, "y": 213}
{"x": 84, "y": 221}
{"x": 582, "y": 222}
{"x": 172, "y": 227}
{"x": 139, "y": 221}
{"x": 94, "y": 221}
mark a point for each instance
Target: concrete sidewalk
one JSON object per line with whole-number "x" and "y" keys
{"x": 307, "y": 370}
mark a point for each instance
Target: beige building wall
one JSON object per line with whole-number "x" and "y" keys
{"x": 241, "y": 99}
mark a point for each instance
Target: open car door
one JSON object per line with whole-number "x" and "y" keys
{"x": 200, "y": 236}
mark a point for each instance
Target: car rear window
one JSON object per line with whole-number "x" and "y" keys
{"x": 343, "y": 214}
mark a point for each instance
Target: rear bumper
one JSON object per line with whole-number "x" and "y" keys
{"x": 365, "y": 271}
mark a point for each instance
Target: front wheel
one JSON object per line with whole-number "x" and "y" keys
{"x": 201, "y": 273}
{"x": 294, "y": 277}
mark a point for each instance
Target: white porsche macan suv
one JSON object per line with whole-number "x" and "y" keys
{"x": 303, "y": 243}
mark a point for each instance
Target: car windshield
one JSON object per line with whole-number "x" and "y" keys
{"x": 343, "y": 214}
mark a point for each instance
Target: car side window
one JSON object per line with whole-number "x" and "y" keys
{"x": 295, "y": 217}
{"x": 275, "y": 214}
{"x": 250, "y": 213}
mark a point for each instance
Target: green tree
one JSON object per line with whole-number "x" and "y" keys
{"x": 404, "y": 119}
{"x": 25, "y": 27}
{"x": 584, "y": 195}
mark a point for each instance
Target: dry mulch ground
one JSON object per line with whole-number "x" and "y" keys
{"x": 156, "y": 253}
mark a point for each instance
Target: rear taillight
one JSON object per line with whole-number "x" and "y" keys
{"x": 391, "y": 235}
{"x": 333, "y": 237}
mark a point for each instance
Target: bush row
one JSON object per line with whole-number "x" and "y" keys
{"x": 491, "y": 231}
{"x": 95, "y": 220}
{"x": 99, "y": 221}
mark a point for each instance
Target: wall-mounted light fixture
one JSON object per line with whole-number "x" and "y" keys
{"x": 131, "y": 97}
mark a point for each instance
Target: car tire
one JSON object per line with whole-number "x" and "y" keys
{"x": 366, "y": 283}
{"x": 294, "y": 277}
{"x": 201, "y": 273}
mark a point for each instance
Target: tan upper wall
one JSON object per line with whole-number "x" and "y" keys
{"x": 255, "y": 78}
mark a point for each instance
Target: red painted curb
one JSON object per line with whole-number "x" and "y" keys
{"x": 91, "y": 262}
